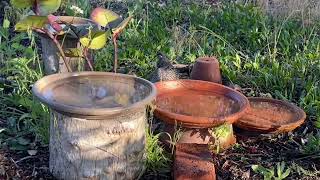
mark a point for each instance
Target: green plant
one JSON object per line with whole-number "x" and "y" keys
{"x": 268, "y": 173}
{"x": 221, "y": 135}
{"x": 156, "y": 159}
{"x": 312, "y": 145}
{"x": 44, "y": 22}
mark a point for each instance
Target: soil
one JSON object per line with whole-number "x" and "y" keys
{"x": 235, "y": 163}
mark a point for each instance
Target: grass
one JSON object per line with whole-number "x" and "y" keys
{"x": 269, "y": 55}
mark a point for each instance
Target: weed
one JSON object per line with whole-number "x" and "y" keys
{"x": 269, "y": 173}
{"x": 312, "y": 145}
{"x": 156, "y": 160}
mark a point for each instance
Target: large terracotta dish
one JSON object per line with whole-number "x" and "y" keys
{"x": 93, "y": 94}
{"x": 198, "y": 104}
{"x": 271, "y": 116}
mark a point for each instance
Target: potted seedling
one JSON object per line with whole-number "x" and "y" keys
{"x": 68, "y": 40}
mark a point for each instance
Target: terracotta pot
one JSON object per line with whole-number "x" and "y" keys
{"x": 206, "y": 69}
{"x": 53, "y": 62}
{"x": 271, "y": 116}
{"x": 198, "y": 104}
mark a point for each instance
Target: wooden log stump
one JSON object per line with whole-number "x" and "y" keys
{"x": 110, "y": 148}
{"x": 52, "y": 60}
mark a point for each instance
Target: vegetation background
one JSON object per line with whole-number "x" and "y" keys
{"x": 267, "y": 48}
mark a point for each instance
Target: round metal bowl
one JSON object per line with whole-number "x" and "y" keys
{"x": 198, "y": 104}
{"x": 271, "y": 116}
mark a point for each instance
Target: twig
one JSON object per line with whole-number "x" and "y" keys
{"x": 88, "y": 59}
{"x": 114, "y": 39}
{"x": 15, "y": 164}
{"x": 25, "y": 158}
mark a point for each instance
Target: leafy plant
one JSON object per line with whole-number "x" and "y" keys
{"x": 269, "y": 174}
{"x": 312, "y": 145}
{"x": 44, "y": 22}
{"x": 156, "y": 158}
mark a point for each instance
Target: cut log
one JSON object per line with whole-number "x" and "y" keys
{"x": 53, "y": 62}
{"x": 110, "y": 148}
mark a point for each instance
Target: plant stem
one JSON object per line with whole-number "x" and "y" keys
{"x": 88, "y": 59}
{"x": 60, "y": 50}
{"x": 114, "y": 38}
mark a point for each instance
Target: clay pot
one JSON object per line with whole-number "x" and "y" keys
{"x": 206, "y": 69}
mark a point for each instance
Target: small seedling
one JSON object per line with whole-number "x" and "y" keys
{"x": 269, "y": 174}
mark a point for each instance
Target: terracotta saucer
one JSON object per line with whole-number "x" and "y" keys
{"x": 271, "y": 116}
{"x": 198, "y": 104}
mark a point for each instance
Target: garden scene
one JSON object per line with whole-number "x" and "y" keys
{"x": 171, "y": 89}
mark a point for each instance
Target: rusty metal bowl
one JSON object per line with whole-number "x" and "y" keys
{"x": 198, "y": 104}
{"x": 271, "y": 116}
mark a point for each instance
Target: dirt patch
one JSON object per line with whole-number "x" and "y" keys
{"x": 20, "y": 165}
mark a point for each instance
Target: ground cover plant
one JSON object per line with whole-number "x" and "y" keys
{"x": 259, "y": 54}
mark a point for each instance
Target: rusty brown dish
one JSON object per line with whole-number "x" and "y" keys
{"x": 198, "y": 104}
{"x": 271, "y": 116}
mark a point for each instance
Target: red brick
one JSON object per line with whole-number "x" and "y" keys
{"x": 193, "y": 161}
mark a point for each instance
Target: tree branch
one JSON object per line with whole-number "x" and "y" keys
{"x": 114, "y": 39}
{"x": 89, "y": 59}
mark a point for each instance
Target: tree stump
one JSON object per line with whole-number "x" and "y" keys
{"x": 110, "y": 148}
{"x": 53, "y": 62}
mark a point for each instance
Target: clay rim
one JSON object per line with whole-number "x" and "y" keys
{"x": 199, "y": 121}
{"x": 207, "y": 60}
{"x": 84, "y": 112}
{"x": 299, "y": 116}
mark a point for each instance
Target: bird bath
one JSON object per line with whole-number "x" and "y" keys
{"x": 196, "y": 107}
{"x": 198, "y": 104}
{"x": 195, "y": 110}
{"x": 97, "y": 126}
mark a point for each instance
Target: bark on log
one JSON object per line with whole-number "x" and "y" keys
{"x": 111, "y": 148}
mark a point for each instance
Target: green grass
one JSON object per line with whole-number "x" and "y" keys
{"x": 276, "y": 56}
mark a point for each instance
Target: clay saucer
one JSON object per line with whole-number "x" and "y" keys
{"x": 198, "y": 104}
{"x": 271, "y": 116}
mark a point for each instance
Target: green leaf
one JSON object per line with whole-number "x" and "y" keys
{"x": 73, "y": 52}
{"x": 103, "y": 17}
{"x": 122, "y": 25}
{"x": 6, "y": 23}
{"x": 23, "y": 141}
{"x": 22, "y": 3}
{"x": 286, "y": 174}
{"x": 45, "y": 6}
{"x": 95, "y": 40}
{"x": 48, "y": 6}
{"x": 31, "y": 22}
